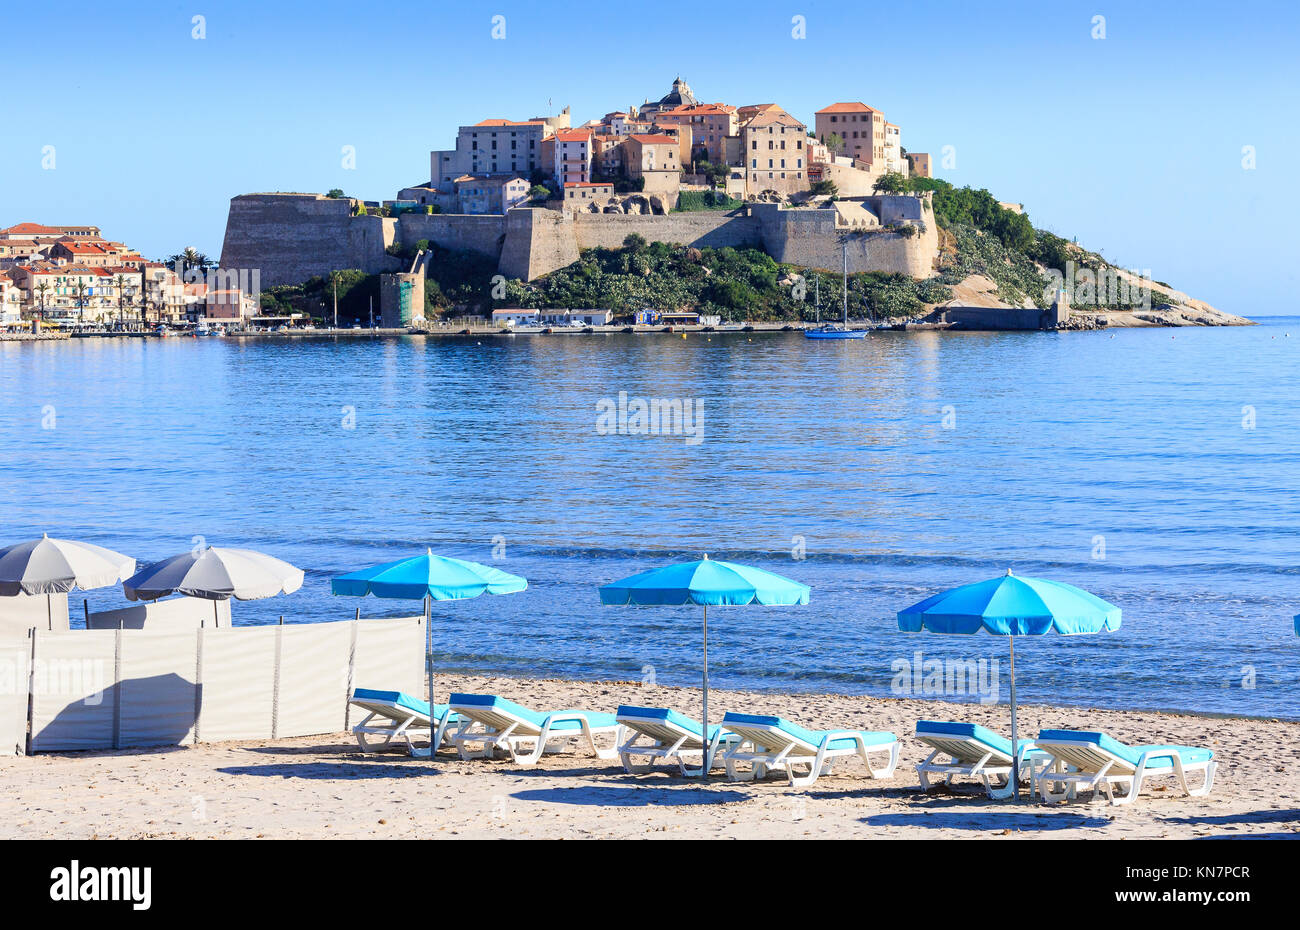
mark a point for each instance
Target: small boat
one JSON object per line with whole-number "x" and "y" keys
{"x": 831, "y": 331}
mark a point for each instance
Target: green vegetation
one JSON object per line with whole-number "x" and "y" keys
{"x": 717, "y": 173}
{"x": 689, "y": 201}
{"x": 735, "y": 284}
{"x": 825, "y": 188}
{"x": 315, "y": 297}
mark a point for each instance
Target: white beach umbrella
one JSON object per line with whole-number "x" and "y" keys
{"x": 215, "y": 574}
{"x": 56, "y": 566}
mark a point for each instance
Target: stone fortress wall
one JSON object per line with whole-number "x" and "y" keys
{"x": 291, "y": 237}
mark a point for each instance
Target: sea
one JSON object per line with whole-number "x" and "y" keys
{"x": 1157, "y": 468}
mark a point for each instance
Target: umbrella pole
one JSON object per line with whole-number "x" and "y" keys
{"x": 704, "y": 765}
{"x": 1015, "y": 755}
{"x": 428, "y": 648}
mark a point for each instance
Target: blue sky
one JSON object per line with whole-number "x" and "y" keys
{"x": 1132, "y": 143}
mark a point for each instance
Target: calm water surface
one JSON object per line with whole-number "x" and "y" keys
{"x": 897, "y": 465}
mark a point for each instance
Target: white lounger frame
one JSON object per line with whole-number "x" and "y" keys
{"x": 819, "y": 758}
{"x": 1092, "y": 768}
{"x": 495, "y": 728}
{"x": 403, "y": 723}
{"x": 668, "y": 740}
{"x": 975, "y": 759}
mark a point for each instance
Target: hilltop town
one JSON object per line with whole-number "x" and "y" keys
{"x": 640, "y": 160}
{"x": 522, "y": 214}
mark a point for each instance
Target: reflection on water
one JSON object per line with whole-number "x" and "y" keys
{"x": 905, "y": 462}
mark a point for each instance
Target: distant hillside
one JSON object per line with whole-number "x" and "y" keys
{"x": 992, "y": 256}
{"x": 989, "y": 256}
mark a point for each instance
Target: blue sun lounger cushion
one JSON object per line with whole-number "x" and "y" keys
{"x": 667, "y": 715}
{"x": 970, "y": 731}
{"x": 409, "y": 716}
{"x": 812, "y": 737}
{"x": 1131, "y": 754}
{"x": 496, "y": 702}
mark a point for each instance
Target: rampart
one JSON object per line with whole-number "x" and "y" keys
{"x": 291, "y": 237}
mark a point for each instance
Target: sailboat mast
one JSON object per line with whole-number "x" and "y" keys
{"x": 844, "y": 245}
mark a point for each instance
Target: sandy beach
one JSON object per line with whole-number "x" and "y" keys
{"x": 324, "y": 787}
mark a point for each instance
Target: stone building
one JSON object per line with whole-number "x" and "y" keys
{"x": 919, "y": 163}
{"x": 775, "y": 153}
{"x": 679, "y": 96}
{"x": 492, "y": 146}
{"x": 573, "y": 154}
{"x": 581, "y": 195}
{"x": 862, "y": 128}
{"x": 656, "y": 159}
{"x": 479, "y": 194}
{"x": 710, "y": 123}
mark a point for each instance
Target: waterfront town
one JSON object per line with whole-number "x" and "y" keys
{"x": 641, "y": 159}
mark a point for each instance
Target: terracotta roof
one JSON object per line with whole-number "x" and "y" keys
{"x": 507, "y": 122}
{"x": 852, "y": 107}
{"x": 31, "y": 229}
{"x": 774, "y": 117}
{"x": 653, "y": 140}
{"x": 573, "y": 135}
{"x": 690, "y": 109}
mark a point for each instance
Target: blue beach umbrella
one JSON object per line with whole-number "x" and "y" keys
{"x": 429, "y": 578}
{"x": 1012, "y": 606}
{"x": 709, "y": 583}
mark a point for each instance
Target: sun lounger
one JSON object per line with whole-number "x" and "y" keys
{"x": 975, "y": 752}
{"x": 495, "y": 723}
{"x": 401, "y": 716}
{"x": 1091, "y": 760}
{"x": 665, "y": 734}
{"x": 769, "y": 743}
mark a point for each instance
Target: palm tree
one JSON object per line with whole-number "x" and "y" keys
{"x": 81, "y": 299}
{"x": 120, "y": 283}
{"x": 41, "y": 289}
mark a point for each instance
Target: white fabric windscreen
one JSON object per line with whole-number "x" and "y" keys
{"x": 155, "y": 688}
{"x": 15, "y": 656}
{"x": 390, "y": 655}
{"x": 237, "y": 690}
{"x": 23, "y": 612}
{"x": 314, "y": 661}
{"x": 99, "y": 689}
{"x": 169, "y": 614}
{"x": 74, "y": 690}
